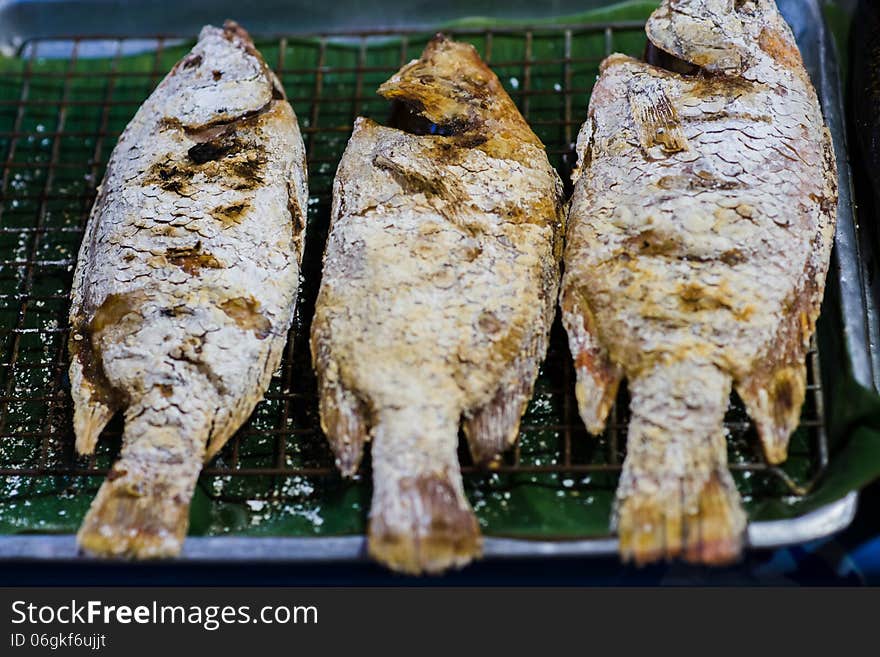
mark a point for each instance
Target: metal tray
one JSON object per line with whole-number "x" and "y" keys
{"x": 847, "y": 308}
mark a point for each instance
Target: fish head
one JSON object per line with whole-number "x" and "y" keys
{"x": 720, "y": 36}
{"x": 452, "y": 90}
{"x": 222, "y": 78}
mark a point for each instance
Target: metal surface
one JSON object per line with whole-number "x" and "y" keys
{"x": 225, "y": 549}
{"x": 284, "y": 439}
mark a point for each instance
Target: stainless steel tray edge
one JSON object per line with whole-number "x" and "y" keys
{"x": 225, "y": 549}
{"x": 859, "y": 312}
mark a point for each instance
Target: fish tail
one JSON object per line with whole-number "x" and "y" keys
{"x": 420, "y": 519}
{"x": 142, "y": 509}
{"x": 676, "y": 497}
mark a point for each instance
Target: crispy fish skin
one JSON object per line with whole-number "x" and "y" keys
{"x": 698, "y": 241}
{"x": 439, "y": 287}
{"x": 185, "y": 285}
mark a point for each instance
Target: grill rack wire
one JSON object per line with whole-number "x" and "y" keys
{"x": 59, "y": 141}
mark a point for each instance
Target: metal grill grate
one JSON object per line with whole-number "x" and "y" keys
{"x": 59, "y": 121}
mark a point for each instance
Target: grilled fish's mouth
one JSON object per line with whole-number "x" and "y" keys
{"x": 451, "y": 92}
{"x": 710, "y": 34}
{"x": 408, "y": 117}
{"x": 656, "y": 56}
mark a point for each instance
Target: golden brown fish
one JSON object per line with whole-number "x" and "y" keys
{"x": 438, "y": 292}
{"x": 698, "y": 241}
{"x": 185, "y": 285}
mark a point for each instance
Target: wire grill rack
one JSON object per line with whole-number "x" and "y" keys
{"x": 60, "y": 119}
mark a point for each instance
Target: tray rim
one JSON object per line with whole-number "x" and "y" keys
{"x": 811, "y": 526}
{"x": 814, "y": 525}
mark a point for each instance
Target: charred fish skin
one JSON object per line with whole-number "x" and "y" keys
{"x": 438, "y": 292}
{"x": 698, "y": 240}
{"x": 185, "y": 285}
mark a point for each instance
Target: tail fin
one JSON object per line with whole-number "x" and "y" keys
{"x": 676, "y": 497}
{"x": 142, "y": 508}
{"x": 420, "y": 519}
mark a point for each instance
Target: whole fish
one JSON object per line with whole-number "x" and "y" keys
{"x": 698, "y": 242}
{"x": 185, "y": 285}
{"x": 438, "y": 292}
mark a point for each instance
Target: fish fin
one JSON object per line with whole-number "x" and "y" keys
{"x": 141, "y": 510}
{"x": 89, "y": 421}
{"x": 773, "y": 399}
{"x": 216, "y": 442}
{"x": 774, "y": 390}
{"x": 344, "y": 422}
{"x": 653, "y": 528}
{"x": 228, "y": 418}
{"x": 655, "y": 117}
{"x": 227, "y": 422}
{"x": 494, "y": 427}
{"x": 676, "y": 498}
{"x": 344, "y": 415}
{"x": 598, "y": 378}
{"x": 146, "y": 525}
{"x": 94, "y": 402}
{"x": 420, "y": 519}
{"x": 436, "y": 531}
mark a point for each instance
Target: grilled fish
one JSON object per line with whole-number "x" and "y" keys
{"x": 185, "y": 285}
{"x": 439, "y": 286}
{"x": 698, "y": 241}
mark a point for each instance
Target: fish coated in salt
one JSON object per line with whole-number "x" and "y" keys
{"x": 185, "y": 285}
{"x": 438, "y": 292}
{"x": 698, "y": 241}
